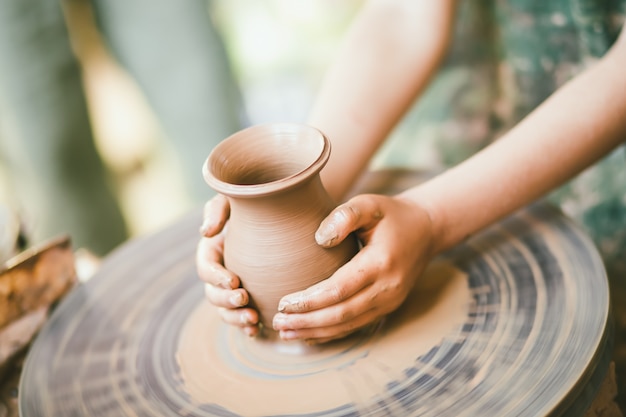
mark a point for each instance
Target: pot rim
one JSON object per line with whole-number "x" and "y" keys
{"x": 272, "y": 187}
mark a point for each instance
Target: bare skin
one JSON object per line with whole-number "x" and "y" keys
{"x": 359, "y": 105}
{"x": 567, "y": 133}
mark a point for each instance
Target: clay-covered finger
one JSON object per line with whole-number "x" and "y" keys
{"x": 328, "y": 333}
{"x": 343, "y": 284}
{"x": 359, "y": 212}
{"x": 216, "y": 213}
{"x": 209, "y": 263}
{"x": 215, "y": 274}
{"x": 227, "y": 298}
{"x": 325, "y": 317}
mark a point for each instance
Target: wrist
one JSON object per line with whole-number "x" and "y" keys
{"x": 426, "y": 208}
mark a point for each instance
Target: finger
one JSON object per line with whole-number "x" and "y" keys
{"x": 332, "y": 315}
{"x": 328, "y": 333}
{"x": 383, "y": 297}
{"x": 226, "y": 297}
{"x": 216, "y": 212}
{"x": 360, "y": 212}
{"x": 209, "y": 263}
{"x": 343, "y": 284}
{"x": 240, "y": 317}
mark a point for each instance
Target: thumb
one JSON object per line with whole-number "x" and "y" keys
{"x": 361, "y": 212}
{"x": 216, "y": 212}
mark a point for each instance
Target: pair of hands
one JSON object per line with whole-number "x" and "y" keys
{"x": 397, "y": 238}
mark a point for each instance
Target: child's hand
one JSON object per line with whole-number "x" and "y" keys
{"x": 222, "y": 287}
{"x": 397, "y": 237}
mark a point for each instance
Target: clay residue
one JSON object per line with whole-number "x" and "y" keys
{"x": 220, "y": 366}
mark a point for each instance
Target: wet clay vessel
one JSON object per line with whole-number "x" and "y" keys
{"x": 270, "y": 175}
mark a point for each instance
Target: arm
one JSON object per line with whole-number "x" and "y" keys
{"x": 386, "y": 59}
{"x": 575, "y": 127}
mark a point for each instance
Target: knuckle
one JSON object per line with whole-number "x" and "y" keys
{"x": 384, "y": 262}
{"x": 302, "y": 304}
{"x": 350, "y": 213}
{"x": 396, "y": 284}
{"x": 393, "y": 285}
{"x": 346, "y": 214}
{"x": 369, "y": 204}
{"x": 390, "y": 287}
{"x": 342, "y": 315}
{"x": 337, "y": 293}
{"x": 350, "y": 327}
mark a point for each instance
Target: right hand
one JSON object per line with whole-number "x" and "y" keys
{"x": 222, "y": 287}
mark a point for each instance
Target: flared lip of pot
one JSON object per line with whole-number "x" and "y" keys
{"x": 272, "y": 187}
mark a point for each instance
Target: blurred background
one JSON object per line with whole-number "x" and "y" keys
{"x": 108, "y": 109}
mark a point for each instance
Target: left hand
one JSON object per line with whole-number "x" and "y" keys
{"x": 222, "y": 287}
{"x": 398, "y": 240}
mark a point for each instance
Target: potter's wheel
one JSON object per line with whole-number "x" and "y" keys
{"x": 533, "y": 339}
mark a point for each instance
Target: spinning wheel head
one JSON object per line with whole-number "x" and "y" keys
{"x": 528, "y": 301}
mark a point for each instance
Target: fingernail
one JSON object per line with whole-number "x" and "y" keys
{"x": 279, "y": 321}
{"x": 326, "y": 234}
{"x": 295, "y": 304}
{"x": 236, "y": 300}
{"x": 288, "y": 334}
{"x": 289, "y": 304}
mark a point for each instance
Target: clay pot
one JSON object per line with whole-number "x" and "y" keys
{"x": 270, "y": 175}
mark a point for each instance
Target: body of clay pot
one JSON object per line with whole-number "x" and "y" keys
{"x": 270, "y": 175}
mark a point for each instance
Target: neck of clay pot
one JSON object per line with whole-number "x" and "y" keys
{"x": 305, "y": 199}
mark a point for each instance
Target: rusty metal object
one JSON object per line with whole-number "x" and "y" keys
{"x": 35, "y": 278}
{"x": 30, "y": 283}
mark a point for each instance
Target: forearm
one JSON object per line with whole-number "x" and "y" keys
{"x": 387, "y": 58}
{"x": 579, "y": 124}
